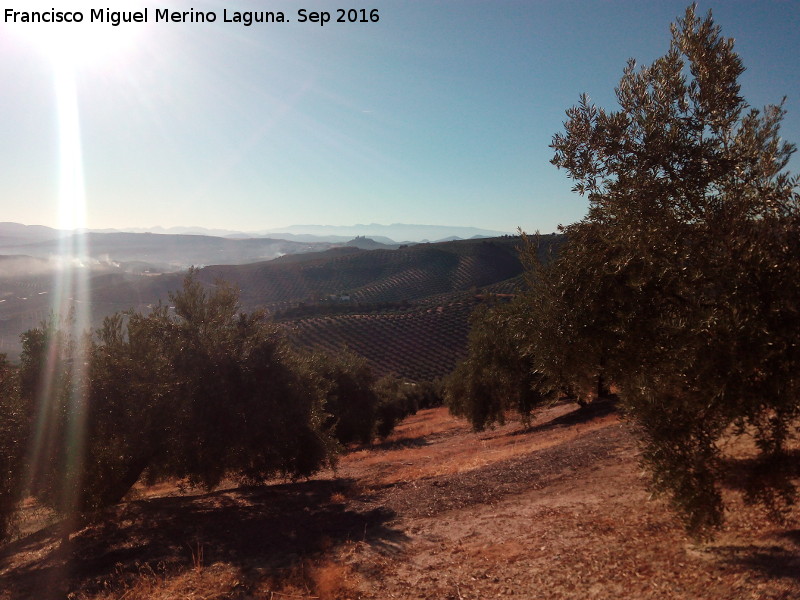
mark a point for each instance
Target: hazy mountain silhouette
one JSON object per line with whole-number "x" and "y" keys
{"x": 13, "y": 234}
{"x": 160, "y": 252}
{"x": 397, "y": 233}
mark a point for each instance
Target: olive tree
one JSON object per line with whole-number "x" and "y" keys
{"x": 682, "y": 283}
{"x": 15, "y": 430}
{"x": 197, "y": 391}
{"x": 499, "y": 373}
{"x": 350, "y": 401}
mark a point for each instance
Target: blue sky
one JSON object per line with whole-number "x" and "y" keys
{"x": 439, "y": 113}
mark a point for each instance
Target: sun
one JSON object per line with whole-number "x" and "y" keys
{"x": 75, "y": 38}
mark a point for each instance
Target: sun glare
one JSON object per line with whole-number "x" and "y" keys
{"x": 71, "y": 202}
{"x": 71, "y": 38}
{"x": 71, "y": 47}
{"x": 71, "y": 300}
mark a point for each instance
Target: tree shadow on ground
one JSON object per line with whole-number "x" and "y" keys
{"x": 581, "y": 414}
{"x": 793, "y": 536}
{"x": 399, "y": 444}
{"x": 743, "y": 473}
{"x": 774, "y": 562}
{"x": 253, "y": 528}
{"x": 758, "y": 479}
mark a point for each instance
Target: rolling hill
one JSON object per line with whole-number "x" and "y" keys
{"x": 418, "y": 344}
{"x": 405, "y": 309}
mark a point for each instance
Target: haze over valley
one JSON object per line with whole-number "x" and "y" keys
{"x": 412, "y": 290}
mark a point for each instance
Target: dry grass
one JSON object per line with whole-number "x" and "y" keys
{"x": 217, "y": 581}
{"x": 320, "y": 579}
{"x": 558, "y": 510}
{"x": 33, "y": 517}
{"x": 323, "y": 579}
{"x": 407, "y": 454}
{"x": 332, "y": 580}
{"x": 432, "y": 421}
{"x": 338, "y": 498}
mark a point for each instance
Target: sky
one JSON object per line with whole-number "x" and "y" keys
{"x": 441, "y": 112}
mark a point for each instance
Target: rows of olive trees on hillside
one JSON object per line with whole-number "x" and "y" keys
{"x": 681, "y": 286}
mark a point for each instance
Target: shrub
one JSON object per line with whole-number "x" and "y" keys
{"x": 396, "y": 402}
{"x": 350, "y": 402}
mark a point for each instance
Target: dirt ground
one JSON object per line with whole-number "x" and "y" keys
{"x": 558, "y": 510}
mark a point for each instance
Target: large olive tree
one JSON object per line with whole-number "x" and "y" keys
{"x": 682, "y": 283}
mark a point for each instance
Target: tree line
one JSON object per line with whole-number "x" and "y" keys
{"x": 680, "y": 288}
{"x": 196, "y": 390}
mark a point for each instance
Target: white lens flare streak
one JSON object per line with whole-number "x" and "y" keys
{"x": 62, "y": 412}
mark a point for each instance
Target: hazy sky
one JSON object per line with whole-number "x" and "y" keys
{"x": 439, "y": 113}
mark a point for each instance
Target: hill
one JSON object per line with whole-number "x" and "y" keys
{"x": 406, "y": 309}
{"x": 419, "y": 344}
{"x": 15, "y": 233}
{"x": 411, "y": 273}
{"x": 556, "y": 511}
{"x": 365, "y": 243}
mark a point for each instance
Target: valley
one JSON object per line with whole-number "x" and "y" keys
{"x": 405, "y": 307}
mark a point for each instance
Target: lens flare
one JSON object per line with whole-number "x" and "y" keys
{"x": 72, "y": 46}
{"x": 59, "y": 439}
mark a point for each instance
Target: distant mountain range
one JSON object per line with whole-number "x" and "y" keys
{"x": 177, "y": 248}
{"x": 139, "y": 252}
{"x": 397, "y": 233}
